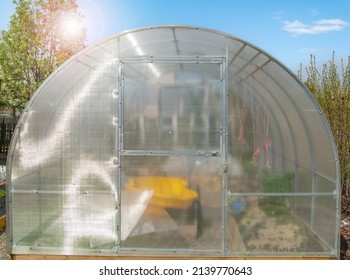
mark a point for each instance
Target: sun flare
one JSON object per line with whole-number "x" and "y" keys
{"x": 70, "y": 26}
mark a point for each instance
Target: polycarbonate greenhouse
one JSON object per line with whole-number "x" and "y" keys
{"x": 173, "y": 141}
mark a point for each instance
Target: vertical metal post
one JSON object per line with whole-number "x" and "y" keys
{"x": 118, "y": 138}
{"x": 224, "y": 78}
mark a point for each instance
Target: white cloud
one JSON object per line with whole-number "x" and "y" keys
{"x": 321, "y": 26}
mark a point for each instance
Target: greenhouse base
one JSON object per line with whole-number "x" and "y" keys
{"x": 2, "y": 222}
{"x": 166, "y": 257}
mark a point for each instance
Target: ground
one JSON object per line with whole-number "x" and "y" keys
{"x": 345, "y": 227}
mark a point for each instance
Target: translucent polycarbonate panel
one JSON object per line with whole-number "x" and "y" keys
{"x": 304, "y": 209}
{"x": 102, "y": 53}
{"x": 234, "y": 48}
{"x": 239, "y": 179}
{"x": 147, "y": 42}
{"x": 79, "y": 125}
{"x": 66, "y": 157}
{"x": 258, "y": 136}
{"x": 187, "y": 216}
{"x": 200, "y": 43}
{"x": 98, "y": 54}
{"x": 297, "y": 93}
{"x": 304, "y": 180}
{"x": 257, "y": 226}
{"x": 58, "y": 86}
{"x": 324, "y": 220}
{"x": 260, "y": 92}
{"x": 245, "y": 62}
{"x": 35, "y": 128}
{"x": 89, "y": 220}
{"x": 32, "y": 212}
{"x": 319, "y": 217}
{"x": 64, "y": 222}
{"x": 324, "y": 184}
{"x": 172, "y": 42}
{"x": 172, "y": 106}
{"x": 323, "y": 150}
{"x": 293, "y": 131}
{"x": 307, "y": 124}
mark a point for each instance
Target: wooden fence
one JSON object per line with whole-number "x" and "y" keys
{"x": 7, "y": 127}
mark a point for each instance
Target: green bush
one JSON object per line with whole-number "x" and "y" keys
{"x": 331, "y": 88}
{"x": 2, "y": 193}
{"x": 272, "y": 183}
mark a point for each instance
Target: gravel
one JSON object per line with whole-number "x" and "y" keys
{"x": 4, "y": 254}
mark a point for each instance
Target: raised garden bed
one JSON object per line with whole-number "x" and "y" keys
{"x": 2, "y": 200}
{"x": 2, "y": 206}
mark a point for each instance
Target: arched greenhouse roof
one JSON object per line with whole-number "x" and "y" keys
{"x": 292, "y": 106}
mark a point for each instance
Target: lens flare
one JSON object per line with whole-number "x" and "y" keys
{"x": 70, "y": 26}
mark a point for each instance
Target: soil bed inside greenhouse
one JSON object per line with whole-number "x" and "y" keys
{"x": 272, "y": 228}
{"x": 260, "y": 229}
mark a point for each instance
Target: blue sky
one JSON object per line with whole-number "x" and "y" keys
{"x": 288, "y": 30}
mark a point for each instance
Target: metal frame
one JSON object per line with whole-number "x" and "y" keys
{"x": 222, "y": 152}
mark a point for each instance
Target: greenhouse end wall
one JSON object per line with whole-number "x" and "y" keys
{"x": 175, "y": 141}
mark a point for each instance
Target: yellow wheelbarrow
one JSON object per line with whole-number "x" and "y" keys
{"x": 168, "y": 192}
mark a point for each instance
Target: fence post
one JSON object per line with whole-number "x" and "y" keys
{"x": 2, "y": 136}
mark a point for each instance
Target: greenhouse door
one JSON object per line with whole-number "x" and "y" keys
{"x": 171, "y": 128}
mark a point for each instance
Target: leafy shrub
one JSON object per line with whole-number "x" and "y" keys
{"x": 276, "y": 184}
{"x": 2, "y": 193}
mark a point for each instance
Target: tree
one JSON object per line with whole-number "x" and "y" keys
{"x": 332, "y": 91}
{"x": 42, "y": 34}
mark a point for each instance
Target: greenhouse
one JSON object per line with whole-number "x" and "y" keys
{"x": 173, "y": 141}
